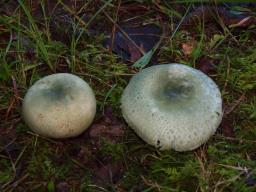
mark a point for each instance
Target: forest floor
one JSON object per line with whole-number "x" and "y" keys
{"x": 89, "y": 39}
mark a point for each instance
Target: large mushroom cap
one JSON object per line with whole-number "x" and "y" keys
{"x": 172, "y": 106}
{"x": 59, "y": 106}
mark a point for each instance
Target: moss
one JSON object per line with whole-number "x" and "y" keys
{"x": 223, "y": 164}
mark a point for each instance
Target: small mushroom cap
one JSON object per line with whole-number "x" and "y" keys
{"x": 172, "y": 106}
{"x": 59, "y": 106}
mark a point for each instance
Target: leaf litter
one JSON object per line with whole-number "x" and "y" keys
{"x": 145, "y": 37}
{"x": 107, "y": 127}
{"x": 230, "y": 17}
{"x": 110, "y": 127}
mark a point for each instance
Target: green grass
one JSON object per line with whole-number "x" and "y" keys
{"x": 32, "y": 163}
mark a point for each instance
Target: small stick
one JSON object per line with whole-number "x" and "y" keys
{"x": 8, "y": 186}
{"x": 124, "y": 33}
{"x": 237, "y": 103}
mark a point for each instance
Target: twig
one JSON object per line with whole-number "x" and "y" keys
{"x": 15, "y": 89}
{"x": 14, "y": 99}
{"x": 228, "y": 181}
{"x": 222, "y": 24}
{"x": 124, "y": 33}
{"x": 114, "y": 28}
{"x": 245, "y": 170}
{"x": 98, "y": 187}
{"x": 42, "y": 137}
{"x": 74, "y": 14}
{"x": 235, "y": 139}
{"x": 8, "y": 187}
{"x": 20, "y": 155}
{"x": 228, "y": 72}
{"x": 236, "y": 103}
{"x": 150, "y": 184}
{"x": 12, "y": 141}
{"x": 9, "y": 109}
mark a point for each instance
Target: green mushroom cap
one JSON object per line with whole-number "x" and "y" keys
{"x": 59, "y": 106}
{"x": 172, "y": 106}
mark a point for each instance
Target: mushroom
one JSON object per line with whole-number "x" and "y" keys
{"x": 172, "y": 106}
{"x": 61, "y": 105}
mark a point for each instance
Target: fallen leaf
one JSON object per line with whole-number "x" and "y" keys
{"x": 84, "y": 155}
{"x": 62, "y": 187}
{"x": 227, "y": 127}
{"x": 109, "y": 127}
{"x": 141, "y": 39}
{"x": 206, "y": 65}
{"x": 109, "y": 173}
{"x": 105, "y": 130}
{"x": 134, "y": 53}
{"x": 188, "y": 47}
{"x": 229, "y": 17}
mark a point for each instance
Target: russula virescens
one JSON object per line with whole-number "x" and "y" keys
{"x": 61, "y": 105}
{"x": 172, "y": 106}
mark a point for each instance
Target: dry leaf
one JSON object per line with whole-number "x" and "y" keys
{"x": 188, "y": 47}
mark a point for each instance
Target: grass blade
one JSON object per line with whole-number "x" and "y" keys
{"x": 37, "y": 36}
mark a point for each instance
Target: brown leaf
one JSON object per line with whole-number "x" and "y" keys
{"x": 62, "y": 187}
{"x": 84, "y": 155}
{"x": 109, "y": 131}
{"x": 188, "y": 47}
{"x": 206, "y": 14}
{"x": 109, "y": 127}
{"x": 134, "y": 52}
{"x": 110, "y": 173}
{"x": 227, "y": 127}
{"x": 206, "y": 65}
{"x": 99, "y": 129}
{"x": 133, "y": 41}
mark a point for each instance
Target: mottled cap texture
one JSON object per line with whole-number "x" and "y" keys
{"x": 61, "y": 105}
{"x": 172, "y": 106}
